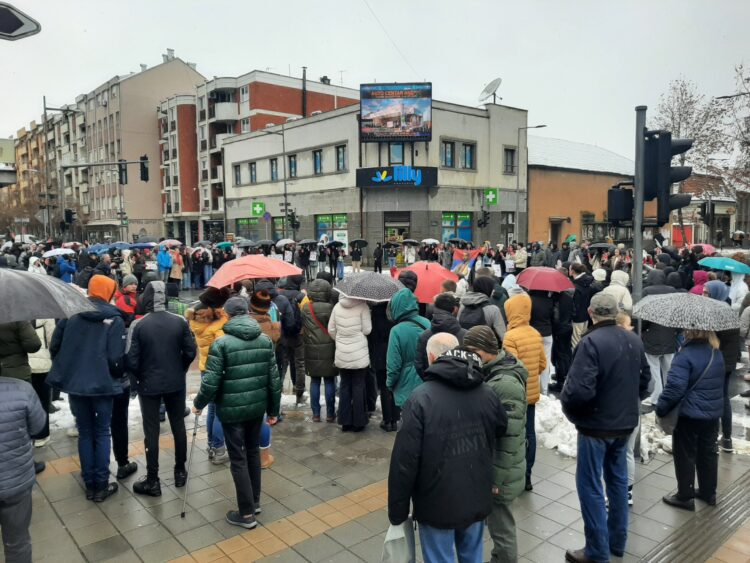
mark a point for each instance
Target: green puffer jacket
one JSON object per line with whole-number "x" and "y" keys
{"x": 241, "y": 376}
{"x": 401, "y": 375}
{"x": 506, "y": 376}
{"x": 320, "y": 348}
{"x": 17, "y": 341}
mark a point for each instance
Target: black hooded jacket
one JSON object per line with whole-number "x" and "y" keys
{"x": 582, "y": 298}
{"x": 442, "y": 321}
{"x": 160, "y": 345}
{"x": 657, "y": 339}
{"x": 442, "y": 457}
{"x": 409, "y": 279}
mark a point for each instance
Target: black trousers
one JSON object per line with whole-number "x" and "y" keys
{"x": 694, "y": 450}
{"x": 353, "y": 399}
{"x": 378, "y": 266}
{"x": 290, "y": 353}
{"x": 43, "y": 391}
{"x": 391, "y": 413}
{"x": 15, "y": 517}
{"x": 371, "y": 390}
{"x": 119, "y": 426}
{"x": 243, "y": 440}
{"x": 175, "y": 405}
{"x": 562, "y": 355}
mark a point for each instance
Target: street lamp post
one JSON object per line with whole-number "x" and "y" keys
{"x": 516, "y": 217}
{"x": 283, "y": 156}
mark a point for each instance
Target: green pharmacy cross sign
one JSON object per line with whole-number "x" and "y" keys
{"x": 490, "y": 196}
{"x": 258, "y": 209}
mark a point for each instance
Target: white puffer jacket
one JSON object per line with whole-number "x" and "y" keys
{"x": 349, "y": 326}
{"x": 618, "y": 288}
{"x": 40, "y": 360}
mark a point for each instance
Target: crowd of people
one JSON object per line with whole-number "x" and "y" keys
{"x": 457, "y": 379}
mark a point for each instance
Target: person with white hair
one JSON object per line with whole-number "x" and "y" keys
{"x": 442, "y": 456}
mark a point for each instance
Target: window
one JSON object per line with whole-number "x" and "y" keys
{"x": 341, "y": 158}
{"x": 204, "y": 164}
{"x": 396, "y": 153}
{"x": 237, "y": 175}
{"x": 509, "y": 161}
{"x": 318, "y": 162}
{"x": 253, "y": 173}
{"x": 203, "y": 132}
{"x": 173, "y": 141}
{"x": 469, "y": 150}
{"x": 245, "y": 125}
{"x": 456, "y": 225}
{"x": 114, "y": 91}
{"x": 447, "y": 151}
{"x": 333, "y": 226}
{"x": 292, "y": 165}
{"x": 274, "y": 169}
{"x": 244, "y": 93}
{"x": 171, "y": 114}
{"x": 201, "y": 102}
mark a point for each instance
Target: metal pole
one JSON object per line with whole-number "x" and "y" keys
{"x": 640, "y": 171}
{"x": 286, "y": 200}
{"x": 224, "y": 192}
{"x": 47, "y": 218}
{"x": 516, "y": 218}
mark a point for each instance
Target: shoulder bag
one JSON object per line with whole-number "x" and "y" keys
{"x": 669, "y": 422}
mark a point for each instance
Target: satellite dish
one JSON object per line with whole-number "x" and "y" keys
{"x": 490, "y": 90}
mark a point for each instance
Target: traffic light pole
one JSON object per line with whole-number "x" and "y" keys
{"x": 638, "y": 194}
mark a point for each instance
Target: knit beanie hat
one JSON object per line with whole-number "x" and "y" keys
{"x": 236, "y": 306}
{"x": 260, "y": 302}
{"x": 599, "y": 274}
{"x": 102, "y": 287}
{"x": 484, "y": 285}
{"x": 130, "y": 279}
{"x": 482, "y": 338}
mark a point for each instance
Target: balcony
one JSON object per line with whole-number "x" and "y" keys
{"x": 223, "y": 111}
{"x": 217, "y": 141}
{"x": 216, "y": 174}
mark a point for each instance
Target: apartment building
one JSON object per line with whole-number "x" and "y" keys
{"x": 119, "y": 125}
{"x": 346, "y": 189}
{"x": 223, "y": 107}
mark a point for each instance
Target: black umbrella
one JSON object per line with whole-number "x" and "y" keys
{"x": 457, "y": 241}
{"x": 202, "y": 243}
{"x": 306, "y": 241}
{"x": 410, "y": 242}
{"x": 602, "y": 246}
{"x": 391, "y": 244}
{"x": 25, "y": 297}
{"x": 247, "y": 243}
{"x": 360, "y": 242}
{"x": 264, "y": 242}
{"x": 335, "y": 243}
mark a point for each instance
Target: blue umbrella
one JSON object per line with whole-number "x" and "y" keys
{"x": 143, "y": 245}
{"x": 94, "y": 249}
{"x": 120, "y": 245}
{"x": 726, "y": 264}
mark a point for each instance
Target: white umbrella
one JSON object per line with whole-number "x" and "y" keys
{"x": 57, "y": 252}
{"x": 430, "y": 241}
{"x": 283, "y": 242}
{"x": 7, "y": 245}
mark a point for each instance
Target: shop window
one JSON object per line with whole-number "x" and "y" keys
{"x": 248, "y": 228}
{"x": 396, "y": 153}
{"x": 334, "y": 227}
{"x": 456, "y": 225}
{"x": 396, "y": 225}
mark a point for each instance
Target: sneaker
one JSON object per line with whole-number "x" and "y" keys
{"x": 647, "y": 402}
{"x": 211, "y": 453}
{"x": 630, "y": 495}
{"x": 235, "y": 519}
{"x": 124, "y": 471}
{"x": 41, "y": 442}
{"x": 726, "y": 445}
{"x": 180, "y": 476}
{"x": 100, "y": 495}
{"x": 146, "y": 486}
{"x": 528, "y": 486}
{"x": 220, "y": 456}
{"x": 72, "y": 432}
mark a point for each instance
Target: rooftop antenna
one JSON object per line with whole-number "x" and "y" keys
{"x": 491, "y": 90}
{"x": 341, "y": 76}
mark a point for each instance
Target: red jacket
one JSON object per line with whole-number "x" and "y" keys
{"x": 126, "y": 303}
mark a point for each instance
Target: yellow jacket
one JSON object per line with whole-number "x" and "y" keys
{"x": 207, "y": 325}
{"x": 525, "y": 343}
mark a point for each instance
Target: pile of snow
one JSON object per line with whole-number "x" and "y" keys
{"x": 553, "y": 430}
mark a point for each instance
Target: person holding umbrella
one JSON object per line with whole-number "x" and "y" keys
{"x": 356, "y": 259}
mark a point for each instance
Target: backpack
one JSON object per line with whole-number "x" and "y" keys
{"x": 270, "y": 328}
{"x": 295, "y": 327}
{"x": 473, "y": 315}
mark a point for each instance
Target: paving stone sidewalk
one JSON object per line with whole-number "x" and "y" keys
{"x": 323, "y": 500}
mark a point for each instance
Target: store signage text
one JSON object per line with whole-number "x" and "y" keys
{"x": 418, "y": 176}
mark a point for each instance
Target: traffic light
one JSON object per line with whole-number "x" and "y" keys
{"x": 69, "y": 216}
{"x": 293, "y": 221}
{"x": 485, "y": 219}
{"x": 660, "y": 174}
{"x": 619, "y": 205}
{"x": 706, "y": 212}
{"x": 122, "y": 171}
{"x": 144, "y": 168}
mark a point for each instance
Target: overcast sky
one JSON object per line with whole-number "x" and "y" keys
{"x": 578, "y": 66}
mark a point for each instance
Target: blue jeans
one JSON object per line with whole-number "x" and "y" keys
{"x": 93, "y": 416}
{"x": 391, "y": 261}
{"x": 265, "y": 434}
{"x": 340, "y": 270}
{"x": 530, "y": 439}
{"x": 185, "y": 280}
{"x": 330, "y": 384}
{"x": 208, "y": 271}
{"x": 213, "y": 426}
{"x": 605, "y": 531}
{"x": 439, "y": 546}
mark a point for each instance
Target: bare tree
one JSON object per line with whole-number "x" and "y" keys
{"x": 689, "y": 114}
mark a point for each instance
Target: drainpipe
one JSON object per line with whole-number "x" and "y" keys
{"x": 304, "y": 91}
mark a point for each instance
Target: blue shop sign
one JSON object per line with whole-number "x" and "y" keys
{"x": 384, "y": 176}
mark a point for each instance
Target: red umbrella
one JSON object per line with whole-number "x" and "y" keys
{"x": 430, "y": 276}
{"x": 254, "y": 266}
{"x": 544, "y": 279}
{"x": 170, "y": 242}
{"x": 708, "y": 249}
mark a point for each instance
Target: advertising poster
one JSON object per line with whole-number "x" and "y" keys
{"x": 343, "y": 237}
{"x": 396, "y": 112}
